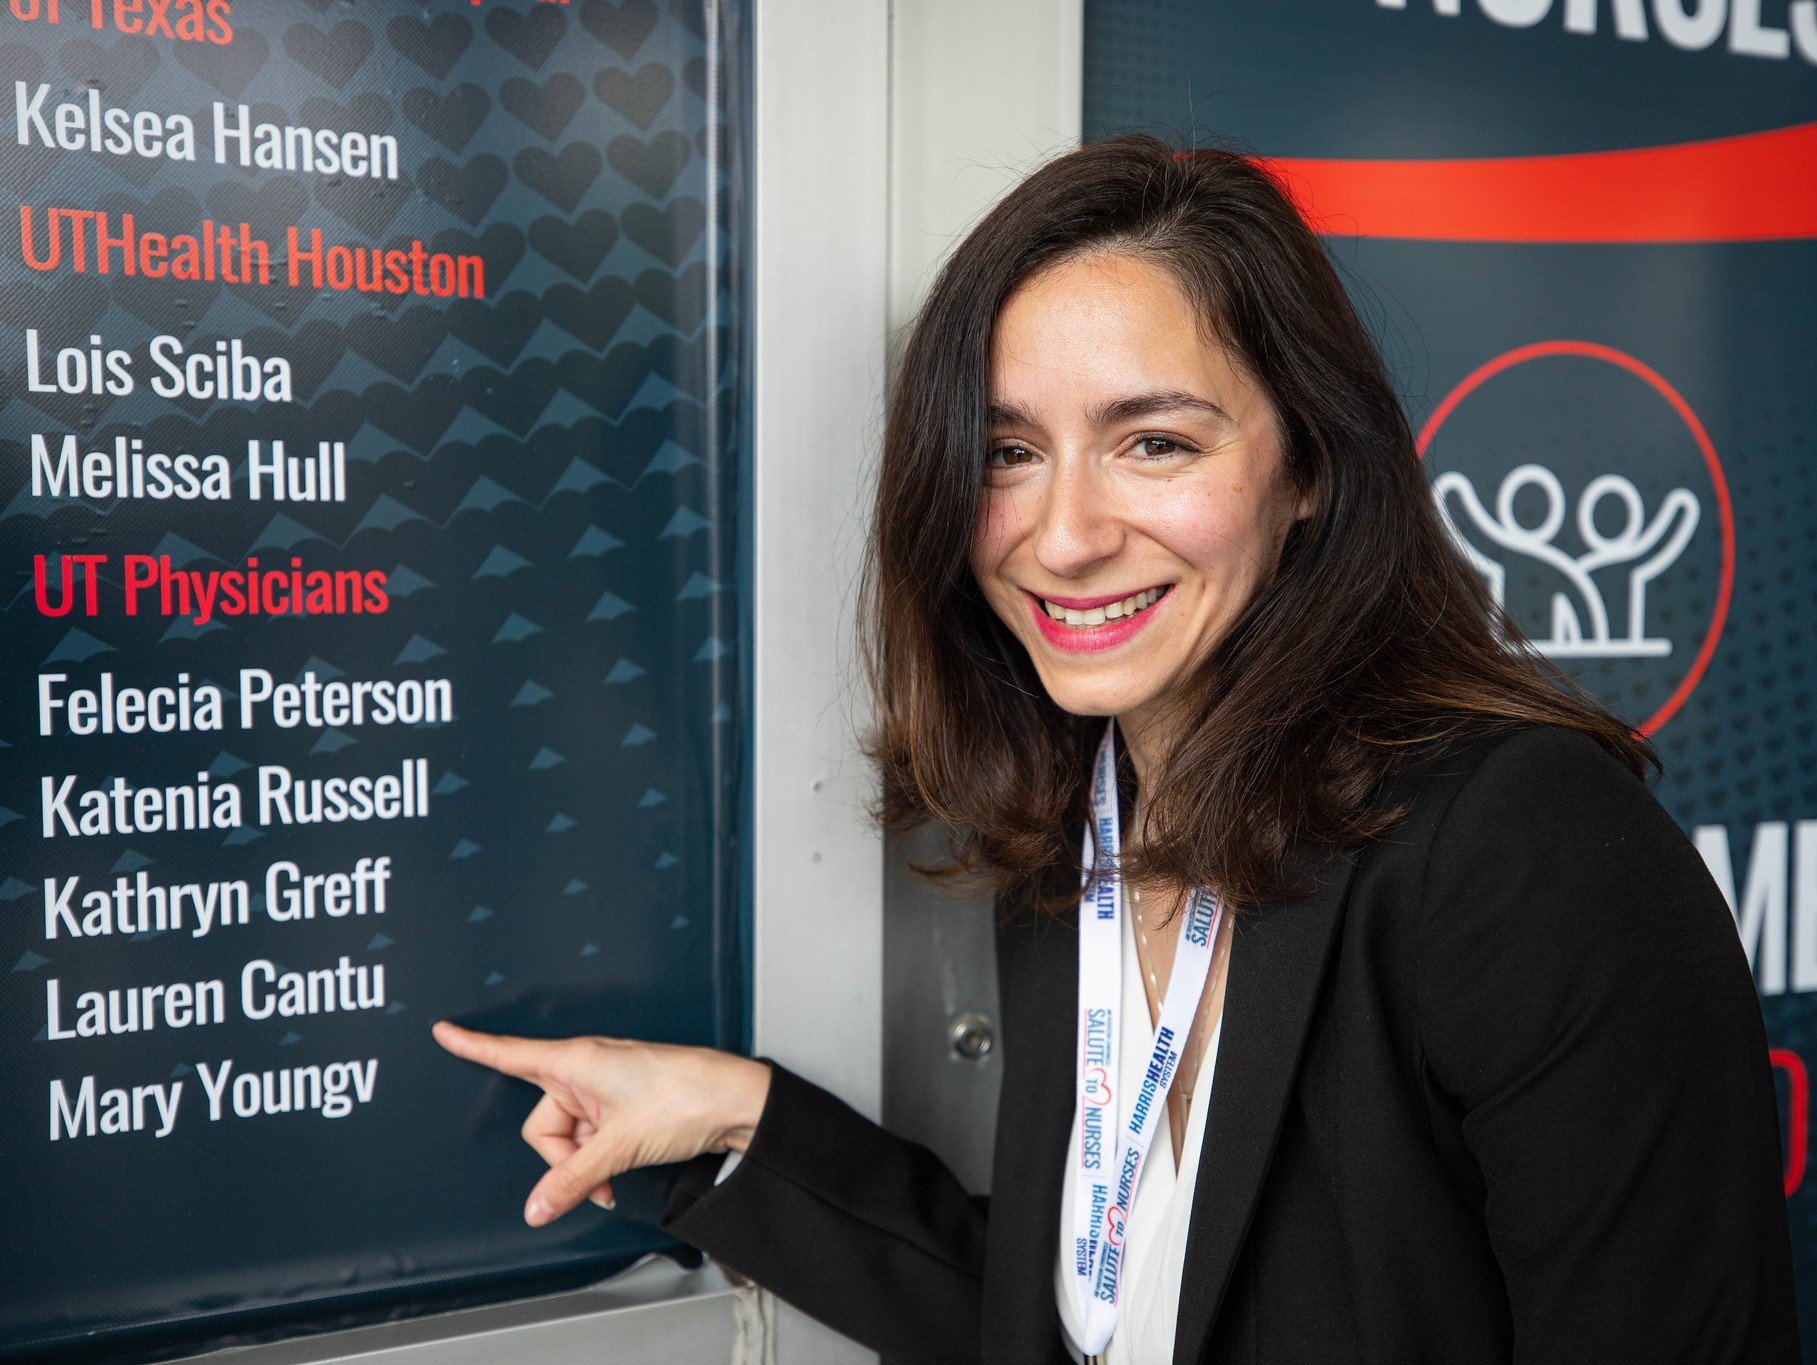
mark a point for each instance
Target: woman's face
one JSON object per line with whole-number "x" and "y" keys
{"x": 1134, "y": 483}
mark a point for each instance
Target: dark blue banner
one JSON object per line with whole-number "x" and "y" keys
{"x": 369, "y": 435}
{"x": 1583, "y": 234}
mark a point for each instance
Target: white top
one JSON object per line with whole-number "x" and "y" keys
{"x": 1154, "y": 1248}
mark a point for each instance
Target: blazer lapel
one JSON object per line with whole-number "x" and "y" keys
{"x": 1277, "y": 959}
{"x": 1039, "y": 976}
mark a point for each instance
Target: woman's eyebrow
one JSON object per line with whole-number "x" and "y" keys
{"x": 1000, "y": 414}
{"x": 1127, "y": 408}
{"x": 1148, "y": 404}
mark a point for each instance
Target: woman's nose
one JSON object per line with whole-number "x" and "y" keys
{"x": 1079, "y": 526}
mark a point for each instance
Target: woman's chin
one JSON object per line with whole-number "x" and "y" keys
{"x": 1080, "y": 699}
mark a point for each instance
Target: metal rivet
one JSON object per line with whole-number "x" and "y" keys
{"x": 972, "y": 1036}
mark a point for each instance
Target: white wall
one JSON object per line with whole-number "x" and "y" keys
{"x": 980, "y": 93}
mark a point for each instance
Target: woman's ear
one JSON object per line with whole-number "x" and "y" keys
{"x": 1305, "y": 497}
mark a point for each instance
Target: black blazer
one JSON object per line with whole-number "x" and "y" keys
{"x": 1497, "y": 1090}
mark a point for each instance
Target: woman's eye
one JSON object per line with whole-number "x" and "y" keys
{"x": 1157, "y": 446}
{"x": 1004, "y": 457}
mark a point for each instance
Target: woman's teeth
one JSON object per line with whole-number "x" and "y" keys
{"x": 1097, "y": 616}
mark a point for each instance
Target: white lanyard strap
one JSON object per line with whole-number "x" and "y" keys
{"x": 1108, "y": 1161}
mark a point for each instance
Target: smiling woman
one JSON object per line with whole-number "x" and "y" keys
{"x": 1140, "y": 373}
{"x": 1305, "y": 860}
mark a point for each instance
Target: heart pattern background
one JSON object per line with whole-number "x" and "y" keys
{"x": 550, "y": 479}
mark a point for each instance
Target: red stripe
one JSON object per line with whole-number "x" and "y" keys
{"x": 1798, "y": 1113}
{"x": 1750, "y": 187}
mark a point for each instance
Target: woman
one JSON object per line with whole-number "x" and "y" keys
{"x": 1395, "y": 1021}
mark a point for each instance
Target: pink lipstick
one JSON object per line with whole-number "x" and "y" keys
{"x": 1090, "y": 639}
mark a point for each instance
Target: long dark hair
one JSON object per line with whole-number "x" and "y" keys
{"x": 1373, "y": 639}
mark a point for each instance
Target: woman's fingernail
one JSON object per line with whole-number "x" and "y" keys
{"x": 538, "y": 1212}
{"x": 603, "y": 1201}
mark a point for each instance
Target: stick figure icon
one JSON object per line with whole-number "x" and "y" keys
{"x": 1559, "y": 588}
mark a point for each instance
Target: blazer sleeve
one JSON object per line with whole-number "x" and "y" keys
{"x": 863, "y": 1230}
{"x": 1586, "y": 1008}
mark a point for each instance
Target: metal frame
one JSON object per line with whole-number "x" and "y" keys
{"x": 655, "y": 1311}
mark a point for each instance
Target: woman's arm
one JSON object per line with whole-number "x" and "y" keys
{"x": 857, "y": 1227}
{"x": 1586, "y": 1005}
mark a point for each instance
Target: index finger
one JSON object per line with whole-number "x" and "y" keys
{"x": 525, "y": 1057}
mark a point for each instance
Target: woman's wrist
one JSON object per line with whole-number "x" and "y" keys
{"x": 747, "y": 1090}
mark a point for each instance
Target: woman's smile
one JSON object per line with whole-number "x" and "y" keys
{"x": 1080, "y": 625}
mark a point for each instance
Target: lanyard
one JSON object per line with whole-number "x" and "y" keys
{"x": 1109, "y": 1157}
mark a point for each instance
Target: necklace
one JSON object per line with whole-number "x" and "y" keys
{"x": 1181, "y": 1086}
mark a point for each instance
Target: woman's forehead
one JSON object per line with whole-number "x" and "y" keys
{"x": 1097, "y": 337}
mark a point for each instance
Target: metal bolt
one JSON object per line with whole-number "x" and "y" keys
{"x": 972, "y": 1036}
